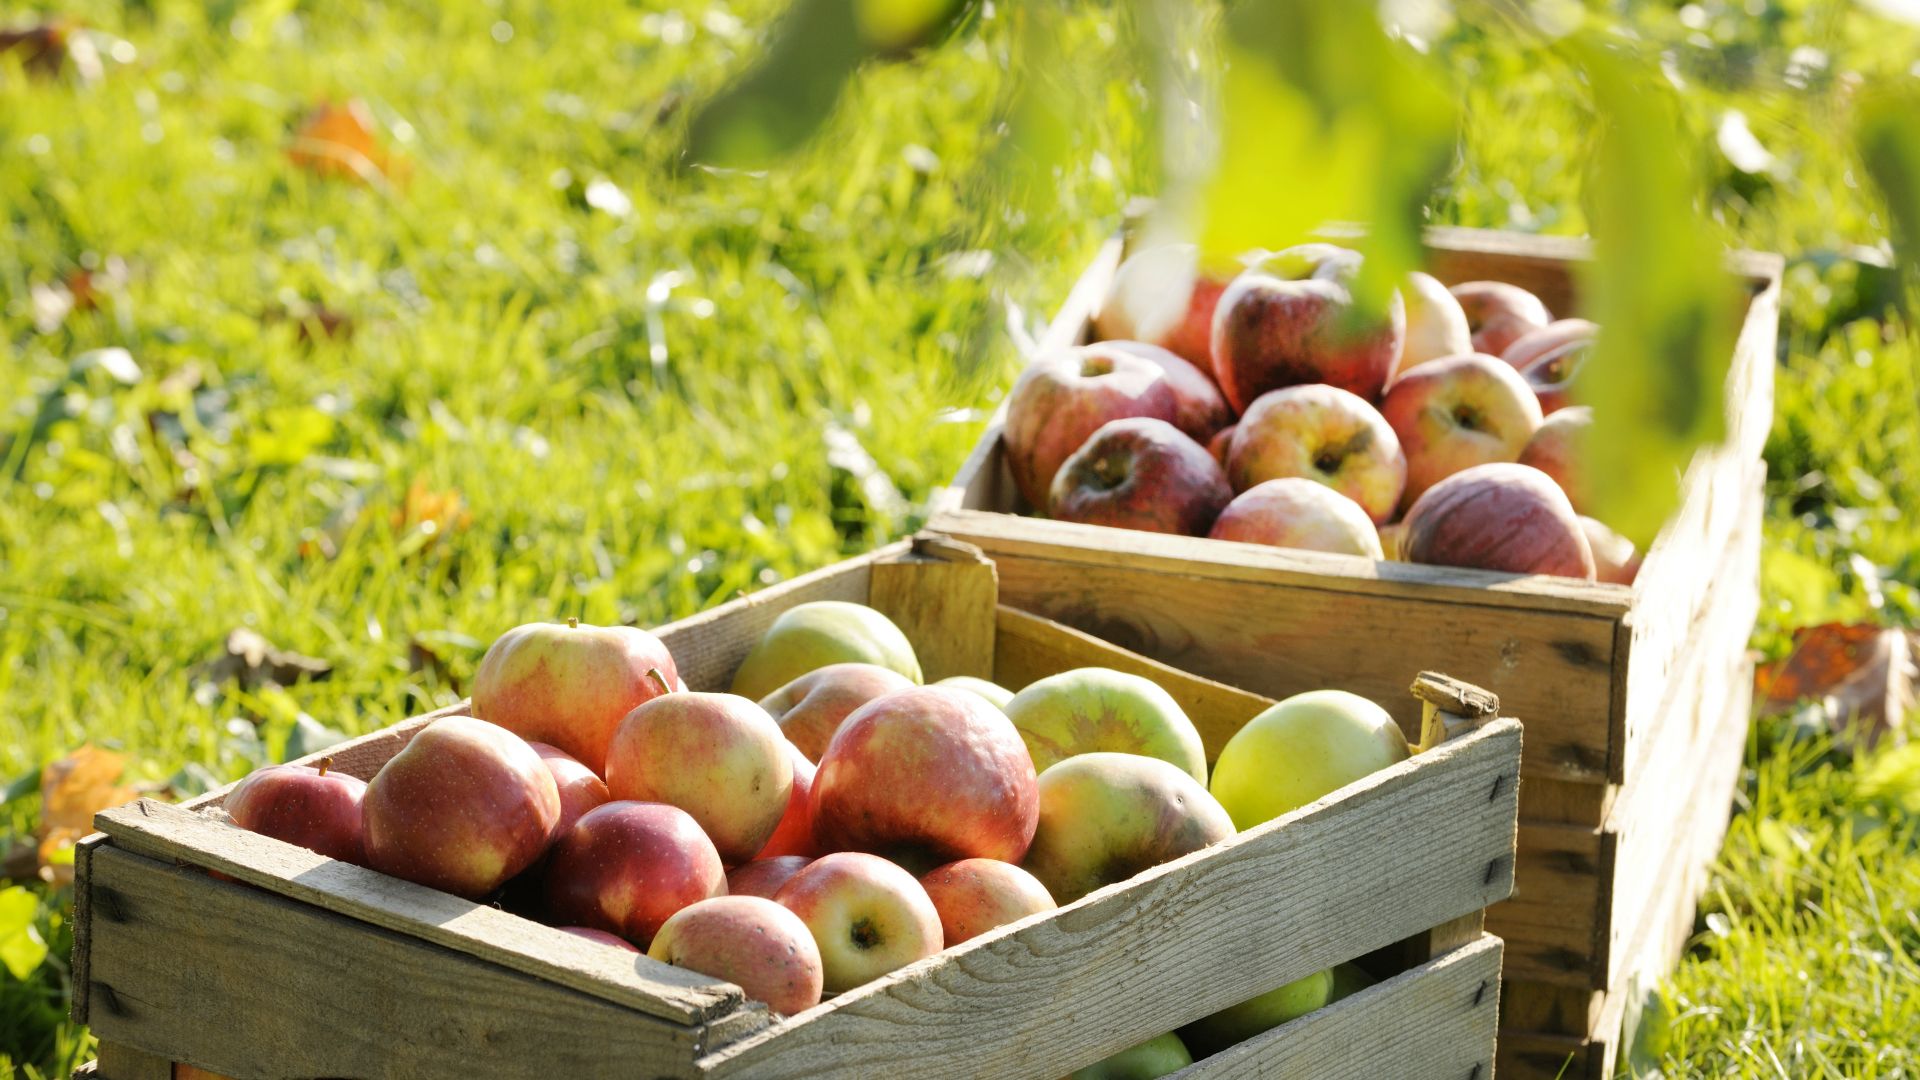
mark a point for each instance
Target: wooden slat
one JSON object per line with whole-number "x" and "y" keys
{"x": 1547, "y": 1009}
{"x": 1528, "y": 1056}
{"x": 1560, "y": 876}
{"x": 172, "y": 834}
{"x": 942, "y": 596}
{"x": 1182, "y": 940}
{"x": 249, "y": 984}
{"x": 118, "y": 1061}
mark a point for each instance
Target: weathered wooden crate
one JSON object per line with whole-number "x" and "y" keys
{"x": 290, "y": 964}
{"x": 1632, "y": 694}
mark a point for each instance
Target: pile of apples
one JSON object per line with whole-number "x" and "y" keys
{"x": 829, "y": 821}
{"x": 1267, "y": 407}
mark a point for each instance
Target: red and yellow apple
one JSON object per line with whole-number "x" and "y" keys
{"x": 1551, "y": 358}
{"x": 1614, "y": 557}
{"x": 1292, "y": 321}
{"x": 763, "y": 877}
{"x": 1199, "y": 408}
{"x": 1436, "y": 325}
{"x": 1558, "y": 448}
{"x": 794, "y": 834}
{"x": 975, "y": 895}
{"x": 314, "y": 808}
{"x": 1094, "y": 708}
{"x": 1325, "y": 434}
{"x": 867, "y": 916}
{"x": 1161, "y": 296}
{"x": 1105, "y": 817}
{"x": 1295, "y": 512}
{"x": 1221, "y": 442}
{"x": 580, "y": 789}
{"x": 626, "y": 867}
{"x": 1457, "y": 412}
{"x": 1501, "y": 516}
{"x": 1498, "y": 314}
{"x": 810, "y": 708}
{"x": 1300, "y": 749}
{"x": 1063, "y": 397}
{"x": 1140, "y": 473}
{"x": 719, "y": 757}
{"x": 749, "y": 941}
{"x": 810, "y": 636}
{"x": 569, "y": 685}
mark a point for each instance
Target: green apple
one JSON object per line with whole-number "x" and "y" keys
{"x": 1237, "y": 1023}
{"x": 1299, "y": 750}
{"x": 1105, "y": 817}
{"x": 1162, "y": 1055}
{"x": 1089, "y": 710}
{"x": 995, "y": 694}
{"x": 811, "y": 636}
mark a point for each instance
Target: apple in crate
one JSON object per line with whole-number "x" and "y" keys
{"x": 1457, "y": 412}
{"x": 794, "y": 834}
{"x": 1325, "y": 434}
{"x": 1222, "y": 440}
{"x": 1614, "y": 556}
{"x": 926, "y": 775}
{"x": 867, "y": 916}
{"x": 1300, "y": 749}
{"x": 1093, "y": 708}
{"x": 1238, "y": 1023}
{"x": 807, "y": 637}
{"x": 749, "y": 941}
{"x": 600, "y": 936}
{"x": 810, "y": 708}
{"x": 1064, "y": 397}
{"x": 1162, "y": 1055}
{"x": 719, "y": 757}
{"x": 763, "y": 877}
{"x": 975, "y": 895}
{"x": 1551, "y": 358}
{"x": 1436, "y": 325}
{"x": 464, "y": 806}
{"x": 1140, "y": 473}
{"x": 1558, "y": 449}
{"x": 314, "y": 808}
{"x": 1498, "y": 314}
{"x": 569, "y": 685}
{"x": 580, "y": 790}
{"x": 1161, "y": 296}
{"x": 995, "y": 694}
{"x": 625, "y": 867}
{"x": 1295, "y": 512}
{"x": 1291, "y": 320}
{"x": 1199, "y": 408}
{"x": 1500, "y": 516}
{"x": 1105, "y": 817}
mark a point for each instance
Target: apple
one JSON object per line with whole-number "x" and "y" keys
{"x": 1199, "y": 408}
{"x": 1140, "y": 473}
{"x": 1105, "y": 817}
{"x": 1221, "y": 442}
{"x": 580, "y": 790}
{"x": 1551, "y": 358}
{"x": 600, "y": 936}
{"x": 1292, "y": 321}
{"x": 794, "y": 834}
{"x": 811, "y": 707}
{"x": 749, "y": 941}
{"x": 1614, "y": 556}
{"x": 1348, "y": 980}
{"x": 719, "y": 757}
{"x": 1436, "y": 326}
{"x": 314, "y": 808}
{"x": 1063, "y": 397}
{"x": 1093, "y": 708}
{"x": 568, "y": 685}
{"x": 1500, "y": 516}
{"x": 1498, "y": 313}
{"x": 996, "y": 695}
{"x": 763, "y": 877}
{"x": 975, "y": 895}
{"x": 1160, "y": 296}
{"x": 929, "y": 771}
{"x": 1238, "y": 1023}
{"x": 1296, "y": 512}
{"x": 464, "y": 806}
{"x": 625, "y": 867}
{"x": 1162, "y": 1055}
{"x": 1558, "y": 448}
{"x": 1300, "y": 749}
{"x": 1457, "y": 412}
{"x": 1393, "y": 539}
{"x": 1325, "y": 434}
{"x": 867, "y": 916}
{"x": 807, "y": 637}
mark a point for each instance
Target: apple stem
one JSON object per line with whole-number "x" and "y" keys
{"x": 654, "y": 674}
{"x": 573, "y": 623}
{"x": 325, "y": 764}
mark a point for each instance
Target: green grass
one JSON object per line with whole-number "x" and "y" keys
{"x": 744, "y": 377}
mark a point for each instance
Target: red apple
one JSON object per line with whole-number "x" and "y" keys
{"x": 1296, "y": 512}
{"x": 975, "y": 895}
{"x": 1292, "y": 321}
{"x": 1457, "y": 412}
{"x": 1063, "y": 397}
{"x": 867, "y": 916}
{"x": 1160, "y": 296}
{"x": 569, "y": 685}
{"x": 1140, "y": 474}
{"x": 1200, "y": 410}
{"x": 625, "y": 867}
{"x": 1614, "y": 557}
{"x": 749, "y": 941}
{"x": 580, "y": 790}
{"x": 1325, "y": 434}
{"x": 1221, "y": 442}
{"x": 794, "y": 834}
{"x": 1551, "y": 358}
{"x": 1558, "y": 449}
{"x": 719, "y": 757}
{"x": 1499, "y": 313}
{"x": 600, "y": 936}
{"x": 810, "y": 708}
{"x": 464, "y": 806}
{"x": 314, "y": 808}
{"x": 763, "y": 877}
{"x": 926, "y": 771}
{"x": 1436, "y": 325}
{"x": 1500, "y": 516}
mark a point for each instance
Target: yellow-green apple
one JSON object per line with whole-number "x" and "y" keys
{"x": 1094, "y": 708}
{"x": 1558, "y": 448}
{"x": 1221, "y": 442}
{"x": 1160, "y": 295}
{"x": 580, "y": 789}
{"x": 1499, "y": 516}
{"x": 749, "y": 941}
{"x": 1436, "y": 326}
{"x": 1063, "y": 397}
{"x": 867, "y": 916}
{"x": 1199, "y": 408}
{"x": 810, "y": 636}
{"x": 1300, "y": 749}
{"x": 569, "y": 685}
{"x": 1457, "y": 412}
{"x": 975, "y": 895}
{"x": 314, "y": 808}
{"x": 600, "y": 936}
{"x": 1393, "y": 537}
{"x": 1296, "y": 512}
{"x": 625, "y": 867}
{"x": 929, "y": 773}
{"x": 1499, "y": 313}
{"x": 810, "y": 708}
{"x": 1238, "y": 1023}
{"x": 996, "y": 695}
{"x": 1551, "y": 358}
{"x": 464, "y": 806}
{"x": 719, "y": 757}
{"x": 1614, "y": 556}
{"x": 794, "y": 834}
{"x": 1325, "y": 434}
{"x": 763, "y": 877}
{"x": 1292, "y": 321}
{"x": 1162, "y": 1055}
{"x": 1105, "y": 817}
{"x": 1140, "y": 473}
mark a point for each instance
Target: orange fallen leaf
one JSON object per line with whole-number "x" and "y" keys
{"x": 42, "y": 48}
{"x": 1859, "y": 675}
{"x": 72, "y": 790}
{"x": 342, "y": 140}
{"x": 446, "y": 510}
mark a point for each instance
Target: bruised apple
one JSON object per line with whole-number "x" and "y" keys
{"x": 314, "y": 808}
{"x": 1501, "y": 516}
{"x": 1105, "y": 817}
{"x": 1327, "y": 435}
{"x": 749, "y": 941}
{"x": 1063, "y": 397}
{"x": 719, "y": 757}
{"x": 1140, "y": 473}
{"x": 625, "y": 867}
{"x": 569, "y": 685}
{"x": 1295, "y": 512}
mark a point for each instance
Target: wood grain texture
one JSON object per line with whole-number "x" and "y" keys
{"x": 170, "y": 833}
{"x": 1183, "y": 939}
{"x": 1526, "y": 1055}
{"x": 1554, "y": 922}
{"x": 118, "y": 1061}
{"x": 1548, "y": 1009}
{"x": 248, "y": 984}
{"x": 941, "y": 595}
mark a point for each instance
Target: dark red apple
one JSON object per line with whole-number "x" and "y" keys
{"x": 1063, "y": 397}
{"x": 809, "y": 708}
{"x": 1201, "y": 410}
{"x": 1500, "y": 516}
{"x": 314, "y": 808}
{"x": 763, "y": 877}
{"x": 794, "y": 834}
{"x": 1292, "y": 321}
{"x": 1498, "y": 313}
{"x": 1551, "y": 358}
{"x": 626, "y": 867}
{"x": 1141, "y": 474}
{"x": 580, "y": 789}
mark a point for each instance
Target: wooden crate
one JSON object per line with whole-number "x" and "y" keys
{"x": 1625, "y": 689}
{"x": 296, "y": 965}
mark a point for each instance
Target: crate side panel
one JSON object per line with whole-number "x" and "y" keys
{"x": 708, "y": 647}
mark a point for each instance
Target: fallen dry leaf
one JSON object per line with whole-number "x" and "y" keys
{"x": 42, "y": 49}
{"x": 315, "y": 322}
{"x": 253, "y": 661}
{"x": 72, "y": 790}
{"x": 342, "y": 140}
{"x": 1860, "y": 678}
{"x": 424, "y": 515}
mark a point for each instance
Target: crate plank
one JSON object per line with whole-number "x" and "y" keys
{"x": 118, "y": 1061}
{"x": 941, "y": 594}
{"x": 1181, "y": 940}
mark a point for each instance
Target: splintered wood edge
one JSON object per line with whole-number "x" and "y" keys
{"x": 1455, "y": 696}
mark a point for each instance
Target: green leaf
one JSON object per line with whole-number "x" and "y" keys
{"x": 1887, "y": 135}
{"x": 288, "y": 436}
{"x": 309, "y": 736}
{"x": 27, "y": 783}
{"x": 21, "y": 947}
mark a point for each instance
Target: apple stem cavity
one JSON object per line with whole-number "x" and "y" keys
{"x": 659, "y": 680}
{"x": 864, "y": 934}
